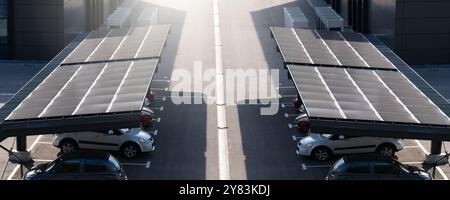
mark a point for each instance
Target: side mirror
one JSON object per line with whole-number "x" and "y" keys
{"x": 341, "y": 137}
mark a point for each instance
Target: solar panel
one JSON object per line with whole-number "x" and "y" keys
{"x": 75, "y": 90}
{"x": 305, "y": 46}
{"x": 120, "y": 44}
{"x": 368, "y": 95}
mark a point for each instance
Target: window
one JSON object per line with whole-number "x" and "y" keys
{"x": 386, "y": 168}
{"x": 94, "y": 166}
{"x": 68, "y": 166}
{"x": 358, "y": 168}
{"x": 113, "y": 164}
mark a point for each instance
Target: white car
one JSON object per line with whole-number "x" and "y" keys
{"x": 322, "y": 146}
{"x": 130, "y": 142}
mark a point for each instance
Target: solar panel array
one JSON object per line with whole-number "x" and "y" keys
{"x": 305, "y": 46}
{"x": 120, "y": 44}
{"x": 89, "y": 89}
{"x": 359, "y": 94}
{"x": 108, "y": 72}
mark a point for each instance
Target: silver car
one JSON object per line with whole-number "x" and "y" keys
{"x": 322, "y": 146}
{"x": 130, "y": 142}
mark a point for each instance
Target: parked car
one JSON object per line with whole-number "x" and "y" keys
{"x": 130, "y": 142}
{"x": 81, "y": 165}
{"x": 323, "y": 146}
{"x": 374, "y": 167}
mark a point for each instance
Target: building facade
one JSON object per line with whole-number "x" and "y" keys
{"x": 39, "y": 29}
{"x": 417, "y": 30}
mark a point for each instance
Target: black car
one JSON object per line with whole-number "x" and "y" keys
{"x": 374, "y": 167}
{"x": 79, "y": 165}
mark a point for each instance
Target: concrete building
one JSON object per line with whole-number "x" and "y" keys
{"x": 417, "y": 30}
{"x": 39, "y": 29}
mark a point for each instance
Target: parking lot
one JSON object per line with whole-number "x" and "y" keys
{"x": 259, "y": 147}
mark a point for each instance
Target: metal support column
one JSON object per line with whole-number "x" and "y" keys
{"x": 21, "y": 143}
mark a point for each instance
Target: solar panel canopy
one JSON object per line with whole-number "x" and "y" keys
{"x": 120, "y": 44}
{"x": 356, "y": 94}
{"x": 99, "y": 88}
{"x": 316, "y": 47}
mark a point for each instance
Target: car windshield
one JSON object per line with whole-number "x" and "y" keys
{"x": 125, "y": 130}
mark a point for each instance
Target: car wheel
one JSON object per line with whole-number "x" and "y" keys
{"x": 130, "y": 150}
{"x": 387, "y": 150}
{"x": 321, "y": 153}
{"x": 67, "y": 146}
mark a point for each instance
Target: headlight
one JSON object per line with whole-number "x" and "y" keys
{"x": 309, "y": 145}
{"x": 141, "y": 140}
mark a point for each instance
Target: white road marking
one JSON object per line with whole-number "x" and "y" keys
{"x": 155, "y": 132}
{"x": 160, "y": 98}
{"x": 294, "y": 137}
{"x": 158, "y": 120}
{"x": 412, "y": 163}
{"x": 290, "y": 115}
{"x": 167, "y": 81}
{"x": 224, "y": 167}
{"x": 34, "y": 143}
{"x": 42, "y": 160}
{"x": 148, "y": 164}
{"x": 13, "y": 172}
{"x": 411, "y": 147}
{"x": 160, "y": 89}
{"x": 291, "y": 126}
{"x": 284, "y": 105}
{"x": 45, "y": 143}
{"x": 427, "y": 153}
{"x": 304, "y": 166}
{"x": 7, "y": 94}
{"x": 160, "y": 108}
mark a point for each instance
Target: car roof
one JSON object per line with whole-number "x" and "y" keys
{"x": 87, "y": 155}
{"x": 366, "y": 157}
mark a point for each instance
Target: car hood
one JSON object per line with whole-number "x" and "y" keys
{"x": 311, "y": 138}
{"x": 140, "y": 133}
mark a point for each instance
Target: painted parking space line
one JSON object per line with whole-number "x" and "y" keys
{"x": 158, "y": 120}
{"x": 45, "y": 143}
{"x": 160, "y": 89}
{"x": 160, "y": 108}
{"x": 291, "y": 125}
{"x": 295, "y": 138}
{"x": 146, "y": 164}
{"x": 155, "y": 132}
{"x": 7, "y": 94}
{"x": 287, "y": 115}
{"x": 412, "y": 163}
{"x": 284, "y": 105}
{"x": 161, "y": 80}
{"x": 42, "y": 160}
{"x": 411, "y": 147}
{"x": 305, "y": 167}
{"x": 162, "y": 98}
